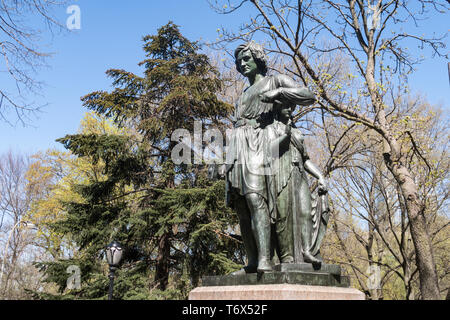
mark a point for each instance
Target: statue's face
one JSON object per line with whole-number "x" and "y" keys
{"x": 285, "y": 112}
{"x": 246, "y": 63}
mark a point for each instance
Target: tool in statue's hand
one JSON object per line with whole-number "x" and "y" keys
{"x": 288, "y": 127}
{"x": 323, "y": 186}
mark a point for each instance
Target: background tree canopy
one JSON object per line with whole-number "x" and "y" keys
{"x": 382, "y": 147}
{"x": 170, "y": 218}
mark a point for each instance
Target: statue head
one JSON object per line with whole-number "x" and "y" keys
{"x": 284, "y": 112}
{"x": 257, "y": 53}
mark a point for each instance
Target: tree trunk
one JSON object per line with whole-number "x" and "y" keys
{"x": 393, "y": 159}
{"x": 373, "y": 290}
{"x": 162, "y": 262}
{"x": 429, "y": 287}
{"x": 409, "y": 294}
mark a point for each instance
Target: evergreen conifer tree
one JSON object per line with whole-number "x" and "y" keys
{"x": 170, "y": 218}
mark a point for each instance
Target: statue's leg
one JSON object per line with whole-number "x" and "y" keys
{"x": 283, "y": 228}
{"x": 306, "y": 222}
{"x": 247, "y": 234}
{"x": 260, "y": 222}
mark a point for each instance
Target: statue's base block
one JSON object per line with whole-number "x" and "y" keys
{"x": 290, "y": 277}
{"x": 293, "y": 281}
{"x": 283, "y": 291}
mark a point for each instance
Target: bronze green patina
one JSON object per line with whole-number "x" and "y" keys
{"x": 292, "y": 277}
{"x": 266, "y": 175}
{"x": 327, "y": 277}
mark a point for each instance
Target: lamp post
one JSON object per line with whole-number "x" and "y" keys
{"x": 113, "y": 256}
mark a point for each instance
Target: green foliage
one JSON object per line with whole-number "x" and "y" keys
{"x": 171, "y": 220}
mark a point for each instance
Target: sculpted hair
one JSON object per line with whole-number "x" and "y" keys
{"x": 258, "y": 55}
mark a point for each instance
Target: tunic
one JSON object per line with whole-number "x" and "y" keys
{"x": 249, "y": 168}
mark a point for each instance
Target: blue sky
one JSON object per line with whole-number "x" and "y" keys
{"x": 110, "y": 37}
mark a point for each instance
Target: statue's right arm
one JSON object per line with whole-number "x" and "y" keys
{"x": 291, "y": 92}
{"x": 281, "y": 141}
{"x": 216, "y": 171}
{"x": 288, "y": 91}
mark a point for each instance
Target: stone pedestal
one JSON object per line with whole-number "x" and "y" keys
{"x": 287, "y": 282}
{"x": 275, "y": 292}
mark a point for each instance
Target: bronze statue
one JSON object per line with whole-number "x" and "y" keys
{"x": 295, "y": 216}
{"x": 268, "y": 190}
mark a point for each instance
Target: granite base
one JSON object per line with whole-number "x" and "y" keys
{"x": 275, "y": 292}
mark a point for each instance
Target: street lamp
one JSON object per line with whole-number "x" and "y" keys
{"x": 113, "y": 256}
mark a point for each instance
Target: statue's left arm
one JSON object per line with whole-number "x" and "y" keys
{"x": 315, "y": 172}
{"x": 289, "y": 91}
{"x": 309, "y": 166}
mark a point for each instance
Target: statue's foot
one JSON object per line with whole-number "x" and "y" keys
{"x": 245, "y": 270}
{"x": 287, "y": 259}
{"x": 309, "y": 258}
{"x": 238, "y": 272}
{"x": 264, "y": 265}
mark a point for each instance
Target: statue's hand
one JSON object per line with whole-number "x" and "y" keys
{"x": 269, "y": 96}
{"x": 222, "y": 171}
{"x": 288, "y": 128}
{"x": 216, "y": 171}
{"x": 323, "y": 185}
